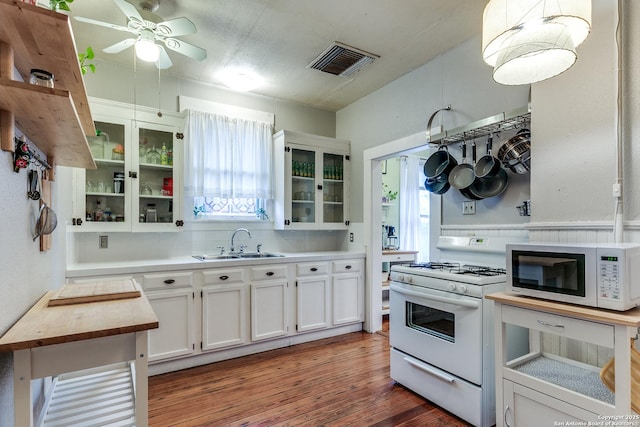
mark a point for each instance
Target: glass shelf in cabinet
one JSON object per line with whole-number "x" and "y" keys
{"x": 155, "y": 166}
{"x": 93, "y": 193}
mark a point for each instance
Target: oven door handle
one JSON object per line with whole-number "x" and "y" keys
{"x": 455, "y": 301}
{"x": 436, "y": 374}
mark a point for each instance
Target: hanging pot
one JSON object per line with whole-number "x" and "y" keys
{"x": 437, "y": 186}
{"x": 468, "y": 191}
{"x": 490, "y": 186}
{"x": 439, "y": 164}
{"x": 462, "y": 175}
{"x": 487, "y": 166}
{"x": 515, "y": 154}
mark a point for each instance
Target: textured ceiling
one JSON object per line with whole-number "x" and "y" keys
{"x": 278, "y": 39}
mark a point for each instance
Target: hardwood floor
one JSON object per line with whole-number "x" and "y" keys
{"x": 340, "y": 381}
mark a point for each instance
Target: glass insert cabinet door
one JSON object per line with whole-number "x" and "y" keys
{"x": 303, "y": 186}
{"x": 333, "y": 188}
{"x": 105, "y": 192}
{"x": 156, "y": 176}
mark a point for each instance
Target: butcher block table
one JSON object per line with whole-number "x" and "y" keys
{"x": 76, "y": 341}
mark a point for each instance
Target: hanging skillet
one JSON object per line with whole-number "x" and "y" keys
{"x": 487, "y": 166}
{"x": 469, "y": 191}
{"x": 462, "y": 175}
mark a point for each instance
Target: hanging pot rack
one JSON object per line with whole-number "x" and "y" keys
{"x": 516, "y": 119}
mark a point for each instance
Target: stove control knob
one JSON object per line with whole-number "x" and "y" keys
{"x": 409, "y": 279}
{"x": 463, "y": 288}
{"x": 452, "y": 286}
{"x": 401, "y": 277}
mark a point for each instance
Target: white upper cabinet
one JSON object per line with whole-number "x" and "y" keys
{"x": 137, "y": 183}
{"x": 312, "y": 186}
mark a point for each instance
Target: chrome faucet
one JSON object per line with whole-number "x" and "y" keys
{"x": 233, "y": 248}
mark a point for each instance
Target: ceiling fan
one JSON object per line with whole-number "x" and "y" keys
{"x": 150, "y": 37}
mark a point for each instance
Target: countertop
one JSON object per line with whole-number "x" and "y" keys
{"x": 190, "y": 263}
{"x": 43, "y": 325}
{"x": 629, "y": 317}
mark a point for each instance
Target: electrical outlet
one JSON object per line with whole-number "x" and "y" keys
{"x": 468, "y": 207}
{"x": 103, "y": 242}
{"x": 351, "y": 237}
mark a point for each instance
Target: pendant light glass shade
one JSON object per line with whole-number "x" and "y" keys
{"x": 527, "y": 41}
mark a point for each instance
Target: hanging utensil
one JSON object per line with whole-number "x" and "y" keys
{"x": 32, "y": 183}
{"x": 47, "y": 221}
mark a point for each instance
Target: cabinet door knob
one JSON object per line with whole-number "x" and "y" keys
{"x": 313, "y": 269}
{"x": 348, "y": 267}
{"x": 170, "y": 281}
{"x": 224, "y": 277}
{"x": 269, "y": 273}
{"x": 319, "y": 187}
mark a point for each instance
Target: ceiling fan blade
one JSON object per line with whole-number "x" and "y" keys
{"x": 185, "y": 48}
{"x": 176, "y": 27}
{"x": 120, "y": 46}
{"x": 129, "y": 10}
{"x": 102, "y": 24}
{"x": 164, "y": 61}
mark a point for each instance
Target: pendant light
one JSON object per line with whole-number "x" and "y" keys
{"x": 527, "y": 41}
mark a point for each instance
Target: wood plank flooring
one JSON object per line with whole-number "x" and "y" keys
{"x": 340, "y": 381}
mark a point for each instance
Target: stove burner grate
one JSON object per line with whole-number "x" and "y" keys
{"x": 456, "y": 268}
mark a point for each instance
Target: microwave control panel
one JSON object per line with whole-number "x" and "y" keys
{"x": 610, "y": 272}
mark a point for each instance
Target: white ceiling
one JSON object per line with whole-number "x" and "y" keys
{"x": 279, "y": 38}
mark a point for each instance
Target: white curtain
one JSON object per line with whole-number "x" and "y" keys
{"x": 227, "y": 157}
{"x": 409, "y": 203}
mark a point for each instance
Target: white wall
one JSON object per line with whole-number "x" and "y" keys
{"x": 25, "y": 272}
{"x": 459, "y": 78}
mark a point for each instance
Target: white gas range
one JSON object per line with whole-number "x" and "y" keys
{"x": 441, "y": 327}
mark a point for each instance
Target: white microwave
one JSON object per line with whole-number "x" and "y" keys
{"x": 595, "y": 275}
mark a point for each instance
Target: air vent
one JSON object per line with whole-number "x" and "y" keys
{"x": 342, "y": 60}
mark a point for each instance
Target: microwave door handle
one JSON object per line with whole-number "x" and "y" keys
{"x": 462, "y": 303}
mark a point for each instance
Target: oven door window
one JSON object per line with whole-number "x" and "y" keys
{"x": 432, "y": 321}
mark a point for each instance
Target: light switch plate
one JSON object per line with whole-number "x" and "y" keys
{"x": 103, "y": 242}
{"x": 468, "y": 207}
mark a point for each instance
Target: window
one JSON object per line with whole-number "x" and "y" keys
{"x": 228, "y": 166}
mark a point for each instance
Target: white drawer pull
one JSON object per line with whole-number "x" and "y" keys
{"x": 436, "y": 374}
{"x": 550, "y": 325}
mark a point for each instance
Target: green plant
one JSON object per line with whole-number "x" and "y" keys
{"x": 60, "y": 5}
{"x": 85, "y": 56}
{"x": 388, "y": 194}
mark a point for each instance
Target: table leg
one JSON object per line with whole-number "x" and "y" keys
{"x": 23, "y": 414}
{"x": 142, "y": 384}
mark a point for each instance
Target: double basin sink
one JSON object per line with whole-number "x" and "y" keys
{"x": 247, "y": 255}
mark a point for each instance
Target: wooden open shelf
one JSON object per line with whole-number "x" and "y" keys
{"x": 56, "y": 120}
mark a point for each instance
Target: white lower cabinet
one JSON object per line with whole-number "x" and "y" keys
{"x": 558, "y": 381}
{"x": 312, "y": 296}
{"x": 224, "y": 308}
{"x": 525, "y": 407}
{"x": 348, "y": 292}
{"x": 269, "y": 314}
{"x": 172, "y": 299}
{"x": 246, "y": 305}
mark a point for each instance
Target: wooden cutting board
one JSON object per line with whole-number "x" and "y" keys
{"x": 80, "y": 293}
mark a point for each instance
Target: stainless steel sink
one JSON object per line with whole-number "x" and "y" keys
{"x": 260, "y": 255}
{"x": 248, "y": 255}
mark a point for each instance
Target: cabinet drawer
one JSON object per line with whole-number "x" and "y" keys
{"x": 582, "y": 330}
{"x": 312, "y": 269}
{"x": 166, "y": 281}
{"x": 398, "y": 257}
{"x": 347, "y": 266}
{"x": 268, "y": 272}
{"x": 222, "y": 276}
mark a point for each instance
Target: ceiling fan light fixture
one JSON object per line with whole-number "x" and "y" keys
{"x": 542, "y": 34}
{"x": 146, "y": 47}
